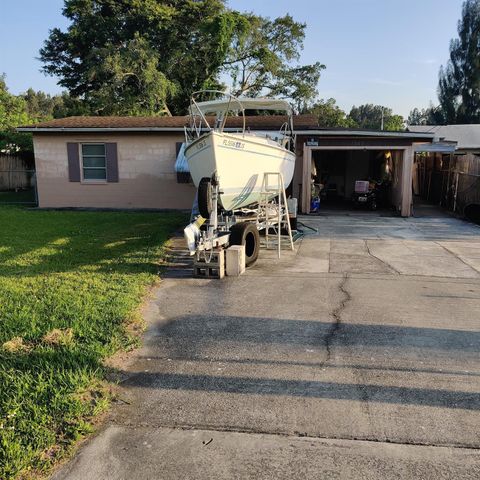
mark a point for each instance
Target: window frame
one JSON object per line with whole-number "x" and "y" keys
{"x": 82, "y": 167}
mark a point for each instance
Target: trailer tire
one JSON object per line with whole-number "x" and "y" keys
{"x": 205, "y": 202}
{"x": 246, "y": 234}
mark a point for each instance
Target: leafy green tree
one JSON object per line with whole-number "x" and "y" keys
{"x": 329, "y": 114}
{"x": 394, "y": 123}
{"x": 41, "y": 105}
{"x": 13, "y": 113}
{"x": 136, "y": 57}
{"x": 426, "y": 116}
{"x": 149, "y": 56}
{"x": 260, "y": 59}
{"x": 369, "y": 116}
{"x": 459, "y": 80}
{"x": 69, "y": 106}
{"x": 132, "y": 82}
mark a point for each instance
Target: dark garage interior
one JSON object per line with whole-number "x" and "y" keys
{"x": 334, "y": 177}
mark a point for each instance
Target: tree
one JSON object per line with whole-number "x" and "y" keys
{"x": 148, "y": 57}
{"x": 13, "y": 113}
{"x": 329, "y": 114}
{"x": 459, "y": 80}
{"x": 259, "y": 61}
{"x": 41, "y": 105}
{"x": 132, "y": 84}
{"x": 369, "y": 116}
{"x": 138, "y": 56}
{"x": 426, "y": 116}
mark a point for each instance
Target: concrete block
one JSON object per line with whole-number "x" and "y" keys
{"x": 215, "y": 268}
{"x": 235, "y": 261}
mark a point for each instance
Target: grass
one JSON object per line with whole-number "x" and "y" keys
{"x": 70, "y": 283}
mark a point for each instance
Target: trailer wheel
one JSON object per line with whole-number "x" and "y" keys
{"x": 205, "y": 203}
{"x": 246, "y": 234}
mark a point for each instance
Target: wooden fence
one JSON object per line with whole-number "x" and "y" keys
{"x": 16, "y": 173}
{"x": 452, "y": 181}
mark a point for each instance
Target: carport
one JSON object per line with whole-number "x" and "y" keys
{"x": 399, "y": 145}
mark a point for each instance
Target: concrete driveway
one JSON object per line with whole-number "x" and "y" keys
{"x": 356, "y": 356}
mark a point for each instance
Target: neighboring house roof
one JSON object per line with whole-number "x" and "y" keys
{"x": 267, "y": 122}
{"x": 466, "y": 136}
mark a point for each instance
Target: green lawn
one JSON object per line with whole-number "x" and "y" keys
{"x": 70, "y": 282}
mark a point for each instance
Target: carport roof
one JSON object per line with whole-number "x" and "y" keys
{"x": 355, "y": 132}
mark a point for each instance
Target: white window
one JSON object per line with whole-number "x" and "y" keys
{"x": 94, "y": 162}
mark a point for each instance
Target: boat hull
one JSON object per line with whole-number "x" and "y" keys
{"x": 239, "y": 162}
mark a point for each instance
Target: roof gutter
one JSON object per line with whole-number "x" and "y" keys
{"x": 125, "y": 129}
{"x": 98, "y": 129}
{"x": 330, "y": 133}
{"x": 363, "y": 133}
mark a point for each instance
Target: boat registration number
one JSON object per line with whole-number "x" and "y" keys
{"x": 233, "y": 143}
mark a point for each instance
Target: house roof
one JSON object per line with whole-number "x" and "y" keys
{"x": 466, "y": 136}
{"x": 302, "y": 124}
{"x": 267, "y": 122}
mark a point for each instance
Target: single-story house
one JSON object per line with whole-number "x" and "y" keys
{"x": 466, "y": 137}
{"x": 129, "y": 162}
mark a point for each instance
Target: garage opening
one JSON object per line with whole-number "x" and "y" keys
{"x": 354, "y": 180}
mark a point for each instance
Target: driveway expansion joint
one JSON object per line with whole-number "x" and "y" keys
{"x": 293, "y": 435}
{"x": 367, "y": 247}
{"x": 458, "y": 257}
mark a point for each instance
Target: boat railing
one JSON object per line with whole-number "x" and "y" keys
{"x": 195, "y": 111}
{"x": 229, "y": 103}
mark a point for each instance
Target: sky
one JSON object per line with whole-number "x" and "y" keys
{"x": 384, "y": 52}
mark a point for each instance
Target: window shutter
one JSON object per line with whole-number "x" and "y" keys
{"x": 112, "y": 162}
{"x": 73, "y": 162}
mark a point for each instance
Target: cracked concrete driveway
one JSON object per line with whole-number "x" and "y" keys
{"x": 356, "y": 356}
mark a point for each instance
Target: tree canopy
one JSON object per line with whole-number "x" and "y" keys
{"x": 259, "y": 60}
{"x": 459, "y": 79}
{"x": 329, "y": 114}
{"x": 370, "y": 116}
{"x": 13, "y": 112}
{"x": 459, "y": 82}
{"x": 426, "y": 116}
{"x": 148, "y": 57}
{"x": 27, "y": 108}
{"x": 367, "y": 116}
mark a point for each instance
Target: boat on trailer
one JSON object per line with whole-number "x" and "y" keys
{"x": 240, "y": 176}
{"x": 238, "y": 159}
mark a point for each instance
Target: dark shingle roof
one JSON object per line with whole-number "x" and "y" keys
{"x": 303, "y": 122}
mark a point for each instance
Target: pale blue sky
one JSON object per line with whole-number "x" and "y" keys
{"x": 376, "y": 51}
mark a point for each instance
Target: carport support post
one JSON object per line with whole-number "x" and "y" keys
{"x": 407, "y": 170}
{"x": 307, "y": 179}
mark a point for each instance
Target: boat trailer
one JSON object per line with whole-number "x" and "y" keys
{"x": 214, "y": 230}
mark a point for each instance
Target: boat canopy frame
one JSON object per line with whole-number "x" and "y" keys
{"x": 222, "y": 107}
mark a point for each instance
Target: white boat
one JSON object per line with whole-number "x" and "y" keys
{"x": 238, "y": 159}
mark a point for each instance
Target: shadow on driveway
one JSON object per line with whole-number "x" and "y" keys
{"x": 281, "y": 344}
